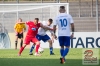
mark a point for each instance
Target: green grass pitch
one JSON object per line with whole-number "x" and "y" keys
{"x": 9, "y": 57}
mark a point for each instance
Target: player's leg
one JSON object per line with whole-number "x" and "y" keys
{"x": 37, "y": 47}
{"x": 46, "y": 38}
{"x": 21, "y": 49}
{"x": 21, "y": 43}
{"x": 26, "y": 42}
{"x": 16, "y": 40}
{"x": 37, "y": 44}
{"x": 51, "y": 47}
{"x": 61, "y": 42}
{"x": 67, "y": 45}
{"x": 32, "y": 48}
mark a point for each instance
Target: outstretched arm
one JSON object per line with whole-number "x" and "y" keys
{"x": 45, "y": 27}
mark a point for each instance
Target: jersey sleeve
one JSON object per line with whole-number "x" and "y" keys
{"x": 71, "y": 19}
{"x": 55, "y": 21}
{"x": 24, "y": 26}
{"x": 28, "y": 22}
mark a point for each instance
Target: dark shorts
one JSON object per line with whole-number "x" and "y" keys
{"x": 64, "y": 40}
{"x": 44, "y": 38}
{"x": 20, "y": 35}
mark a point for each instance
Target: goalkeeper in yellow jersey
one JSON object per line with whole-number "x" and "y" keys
{"x": 19, "y": 29}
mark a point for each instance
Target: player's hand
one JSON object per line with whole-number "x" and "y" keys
{"x": 55, "y": 37}
{"x": 16, "y": 33}
{"x": 72, "y": 35}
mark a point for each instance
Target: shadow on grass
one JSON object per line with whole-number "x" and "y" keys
{"x": 39, "y": 62}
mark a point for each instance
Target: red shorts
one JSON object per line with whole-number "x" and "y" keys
{"x": 29, "y": 39}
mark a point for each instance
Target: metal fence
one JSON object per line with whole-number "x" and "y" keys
{"x": 86, "y": 13}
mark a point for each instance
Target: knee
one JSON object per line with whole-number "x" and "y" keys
{"x": 50, "y": 41}
{"x": 67, "y": 46}
{"x": 62, "y": 47}
{"x": 37, "y": 43}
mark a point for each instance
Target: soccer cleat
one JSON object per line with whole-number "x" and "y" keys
{"x": 30, "y": 53}
{"x": 52, "y": 54}
{"x": 19, "y": 54}
{"x": 36, "y": 54}
{"x": 62, "y": 60}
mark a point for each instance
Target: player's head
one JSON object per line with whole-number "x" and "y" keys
{"x": 36, "y": 20}
{"x": 19, "y": 20}
{"x": 62, "y": 9}
{"x": 50, "y": 22}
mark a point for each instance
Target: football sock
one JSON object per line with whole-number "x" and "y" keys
{"x": 16, "y": 44}
{"x": 21, "y": 43}
{"x": 51, "y": 50}
{"x": 37, "y": 47}
{"x": 32, "y": 48}
{"x": 65, "y": 52}
{"x": 21, "y": 49}
{"x": 61, "y": 51}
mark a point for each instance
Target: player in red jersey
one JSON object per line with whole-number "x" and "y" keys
{"x": 33, "y": 27}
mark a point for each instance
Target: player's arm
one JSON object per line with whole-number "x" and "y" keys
{"x": 15, "y": 27}
{"x": 45, "y": 27}
{"x": 24, "y": 27}
{"x": 54, "y": 27}
{"x": 72, "y": 28}
{"x": 53, "y": 36}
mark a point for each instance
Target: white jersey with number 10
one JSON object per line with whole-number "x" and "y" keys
{"x": 63, "y": 21}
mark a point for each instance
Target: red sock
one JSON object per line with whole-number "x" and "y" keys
{"x": 21, "y": 49}
{"x": 37, "y": 47}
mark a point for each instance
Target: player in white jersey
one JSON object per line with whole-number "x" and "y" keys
{"x": 64, "y": 21}
{"x": 44, "y": 37}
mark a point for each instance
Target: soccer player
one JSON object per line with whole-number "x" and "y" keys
{"x": 33, "y": 27}
{"x": 44, "y": 37}
{"x": 64, "y": 21}
{"x": 19, "y": 29}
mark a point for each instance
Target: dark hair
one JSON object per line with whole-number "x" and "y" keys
{"x": 50, "y": 20}
{"x": 37, "y": 19}
{"x": 62, "y": 7}
{"x": 20, "y": 19}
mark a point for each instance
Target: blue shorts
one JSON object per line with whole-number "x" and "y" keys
{"x": 43, "y": 38}
{"x": 64, "y": 40}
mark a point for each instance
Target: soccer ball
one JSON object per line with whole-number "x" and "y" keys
{"x": 41, "y": 50}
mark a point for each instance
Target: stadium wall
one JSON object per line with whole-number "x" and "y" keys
{"x": 83, "y": 12}
{"x": 84, "y": 15}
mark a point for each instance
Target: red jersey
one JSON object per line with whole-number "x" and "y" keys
{"x": 32, "y": 29}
